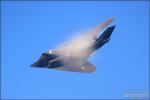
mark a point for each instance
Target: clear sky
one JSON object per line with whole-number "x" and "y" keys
{"x": 31, "y": 28}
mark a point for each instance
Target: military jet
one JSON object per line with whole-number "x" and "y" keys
{"x": 73, "y": 56}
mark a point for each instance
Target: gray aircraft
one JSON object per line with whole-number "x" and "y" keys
{"x": 73, "y": 56}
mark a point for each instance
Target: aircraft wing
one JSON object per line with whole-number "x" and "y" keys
{"x": 100, "y": 27}
{"x": 90, "y": 35}
{"x": 79, "y": 46}
{"x": 85, "y": 67}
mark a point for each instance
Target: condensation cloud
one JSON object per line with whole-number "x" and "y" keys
{"x": 79, "y": 46}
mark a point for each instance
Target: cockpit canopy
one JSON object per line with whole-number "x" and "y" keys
{"x": 49, "y": 51}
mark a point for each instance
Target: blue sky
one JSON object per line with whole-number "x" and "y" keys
{"x": 31, "y": 28}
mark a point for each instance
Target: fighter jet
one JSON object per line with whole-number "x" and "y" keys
{"x": 73, "y": 56}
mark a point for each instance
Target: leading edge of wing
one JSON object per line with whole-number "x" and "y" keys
{"x": 85, "y": 67}
{"x": 101, "y": 26}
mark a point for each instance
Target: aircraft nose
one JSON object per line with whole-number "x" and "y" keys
{"x": 37, "y": 64}
{"x": 34, "y": 65}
